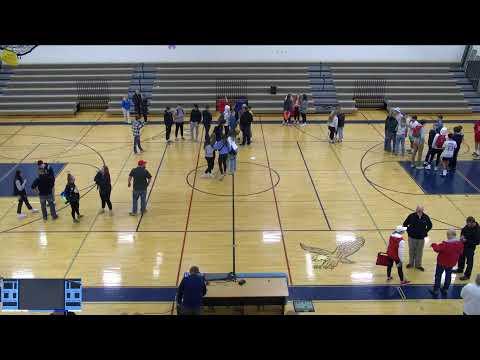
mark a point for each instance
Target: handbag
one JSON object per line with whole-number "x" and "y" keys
{"x": 382, "y": 259}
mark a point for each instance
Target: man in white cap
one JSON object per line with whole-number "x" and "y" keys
{"x": 396, "y": 253}
{"x": 471, "y": 297}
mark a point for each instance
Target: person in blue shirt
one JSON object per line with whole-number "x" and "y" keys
{"x": 126, "y": 109}
{"x": 190, "y": 293}
{"x": 223, "y": 147}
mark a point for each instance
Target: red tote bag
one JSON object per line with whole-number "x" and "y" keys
{"x": 382, "y": 259}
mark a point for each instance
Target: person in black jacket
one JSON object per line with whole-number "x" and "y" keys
{"x": 44, "y": 184}
{"x": 168, "y": 119}
{"x": 104, "y": 186}
{"x": 418, "y": 225}
{"x": 195, "y": 119}
{"x": 246, "y": 125}
{"x": 207, "y": 122}
{"x": 19, "y": 190}
{"x": 430, "y": 153}
{"x": 190, "y": 293}
{"x": 470, "y": 236}
{"x": 137, "y": 102}
{"x": 145, "y": 109}
{"x": 341, "y": 125}
{"x": 72, "y": 195}
{"x": 391, "y": 125}
{"x": 458, "y": 138}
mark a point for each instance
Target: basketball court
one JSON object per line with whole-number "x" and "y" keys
{"x": 317, "y": 212}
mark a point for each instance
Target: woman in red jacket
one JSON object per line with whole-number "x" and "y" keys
{"x": 448, "y": 253}
{"x": 476, "y": 131}
{"x": 396, "y": 253}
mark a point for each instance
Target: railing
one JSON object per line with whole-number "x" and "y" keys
{"x": 471, "y": 66}
{"x": 232, "y": 89}
{"x": 93, "y": 94}
{"x": 370, "y": 93}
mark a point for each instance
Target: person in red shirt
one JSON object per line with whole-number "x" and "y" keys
{"x": 448, "y": 253}
{"x": 396, "y": 253}
{"x": 476, "y": 131}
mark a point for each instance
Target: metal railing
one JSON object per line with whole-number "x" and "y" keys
{"x": 93, "y": 94}
{"x": 471, "y": 66}
{"x": 232, "y": 89}
{"x": 370, "y": 93}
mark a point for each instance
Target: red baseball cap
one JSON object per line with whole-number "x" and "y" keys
{"x": 141, "y": 162}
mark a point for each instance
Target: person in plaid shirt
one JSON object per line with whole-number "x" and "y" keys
{"x": 136, "y": 126}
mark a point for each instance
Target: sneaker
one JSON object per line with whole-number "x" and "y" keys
{"x": 433, "y": 292}
{"x": 76, "y": 220}
{"x": 21, "y": 216}
{"x": 428, "y": 167}
{"x": 144, "y": 211}
{"x": 444, "y": 291}
{"x": 203, "y": 176}
{"x": 457, "y": 271}
{"x": 389, "y": 278}
{"x": 474, "y": 154}
{"x": 419, "y": 168}
{"x": 420, "y": 268}
{"x": 176, "y": 139}
{"x": 435, "y": 169}
{"x": 183, "y": 138}
{"x": 55, "y": 217}
{"x": 45, "y": 219}
{"x": 409, "y": 266}
{"x": 211, "y": 176}
{"x": 34, "y": 210}
{"x": 412, "y": 165}
{"x": 405, "y": 282}
{"x": 444, "y": 173}
{"x": 464, "y": 278}
{"x": 221, "y": 177}
{"x": 132, "y": 214}
{"x": 80, "y": 216}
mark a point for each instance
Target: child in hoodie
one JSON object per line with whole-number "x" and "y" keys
{"x": 396, "y": 253}
{"x": 232, "y": 154}
{"x": 436, "y": 148}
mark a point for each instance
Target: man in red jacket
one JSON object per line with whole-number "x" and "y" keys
{"x": 448, "y": 253}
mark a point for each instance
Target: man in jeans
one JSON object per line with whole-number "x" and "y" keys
{"x": 190, "y": 293}
{"x": 141, "y": 179}
{"x": 195, "y": 119}
{"x": 418, "y": 225}
{"x": 137, "y": 125}
{"x": 44, "y": 184}
{"x": 470, "y": 237}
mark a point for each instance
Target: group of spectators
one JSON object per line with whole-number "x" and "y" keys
{"x": 454, "y": 250}
{"x": 296, "y": 106}
{"x": 140, "y": 104}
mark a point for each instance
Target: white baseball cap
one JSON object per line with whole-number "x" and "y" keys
{"x": 400, "y": 229}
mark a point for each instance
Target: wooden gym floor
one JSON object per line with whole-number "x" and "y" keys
{"x": 291, "y": 187}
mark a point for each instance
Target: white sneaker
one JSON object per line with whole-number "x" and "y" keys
{"x": 419, "y": 167}
{"x": 203, "y": 176}
{"x": 211, "y": 176}
{"x": 34, "y": 210}
{"x": 444, "y": 173}
{"x": 412, "y": 165}
{"x": 428, "y": 167}
{"x": 21, "y": 216}
{"x": 435, "y": 169}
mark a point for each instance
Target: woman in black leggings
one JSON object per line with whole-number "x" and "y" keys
{"x": 73, "y": 196}
{"x": 104, "y": 186}
{"x": 19, "y": 190}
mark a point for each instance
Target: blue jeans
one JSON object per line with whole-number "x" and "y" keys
{"x": 44, "y": 199}
{"x": 136, "y": 143}
{"x": 232, "y": 163}
{"x": 143, "y": 200}
{"x": 438, "y": 277}
{"x": 400, "y": 143}
{"x": 390, "y": 141}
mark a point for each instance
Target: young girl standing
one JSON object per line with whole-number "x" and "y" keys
{"x": 332, "y": 126}
{"x": 104, "y": 186}
{"x": 223, "y": 148}
{"x": 72, "y": 195}
{"x": 449, "y": 147}
{"x": 210, "y": 157}
{"x": 19, "y": 190}
{"x": 178, "y": 118}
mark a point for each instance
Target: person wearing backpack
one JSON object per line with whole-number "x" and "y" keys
{"x": 418, "y": 135}
{"x": 178, "y": 119}
{"x": 223, "y": 148}
{"x": 449, "y": 147}
{"x": 19, "y": 190}
{"x": 232, "y": 153}
{"x": 458, "y": 138}
{"x": 436, "y": 148}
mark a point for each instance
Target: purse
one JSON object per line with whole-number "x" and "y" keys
{"x": 382, "y": 259}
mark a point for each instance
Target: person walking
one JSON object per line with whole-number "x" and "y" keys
{"x": 449, "y": 147}
{"x": 458, "y": 138}
{"x": 470, "y": 236}
{"x": 418, "y": 225}
{"x": 195, "y": 119}
{"x": 178, "y": 119}
{"x": 340, "y": 124}
{"x": 190, "y": 293}
{"x": 400, "y": 136}
{"x": 126, "y": 109}
{"x": 207, "y": 122}
{"x": 19, "y": 184}
{"x": 137, "y": 103}
{"x": 232, "y": 153}
{"x": 104, "y": 187}
{"x": 436, "y": 147}
{"x": 448, "y": 253}
{"x": 476, "y": 138}
{"x": 471, "y": 297}
{"x": 304, "y": 109}
{"x": 332, "y": 126}
{"x": 137, "y": 125}
{"x": 396, "y": 253}
{"x": 223, "y": 148}
{"x": 210, "y": 157}
{"x": 168, "y": 120}
{"x": 141, "y": 179}
{"x": 72, "y": 194}
{"x": 44, "y": 184}
{"x": 246, "y": 121}
{"x": 418, "y": 135}
{"x": 287, "y": 109}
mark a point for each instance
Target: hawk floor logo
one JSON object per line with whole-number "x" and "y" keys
{"x": 324, "y": 259}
